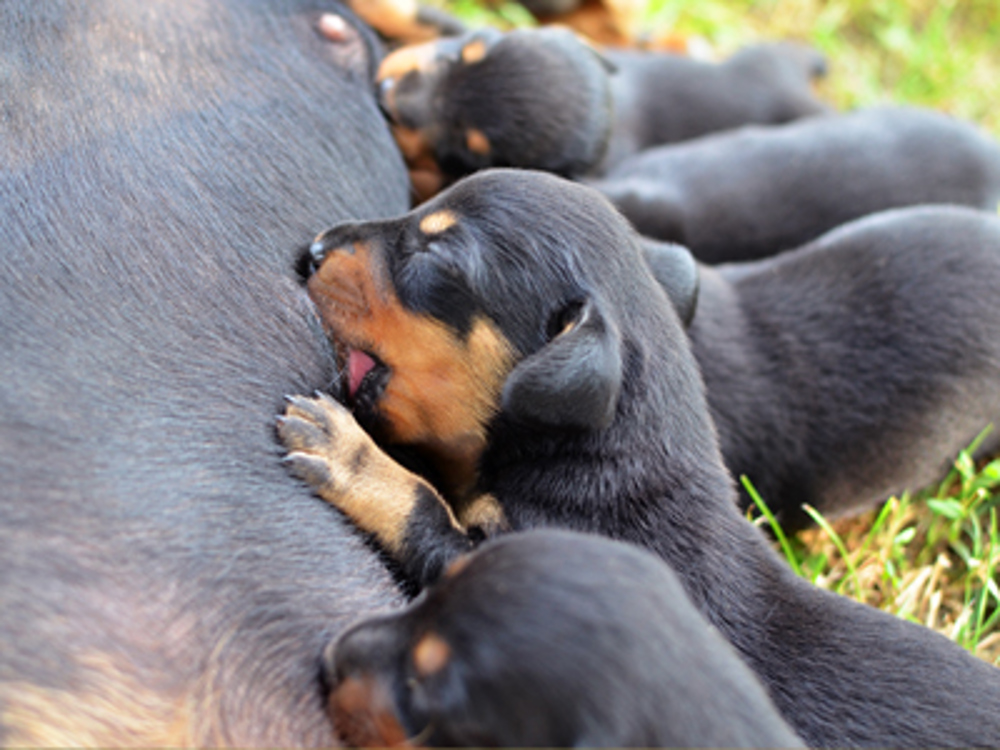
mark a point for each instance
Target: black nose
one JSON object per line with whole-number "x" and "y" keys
{"x": 384, "y": 89}
{"x": 340, "y": 237}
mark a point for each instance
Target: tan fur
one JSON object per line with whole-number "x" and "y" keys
{"x": 442, "y": 391}
{"x": 113, "y": 708}
{"x": 431, "y": 654}
{"x": 376, "y": 492}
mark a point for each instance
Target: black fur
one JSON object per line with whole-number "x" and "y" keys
{"x": 545, "y": 100}
{"x": 841, "y": 673}
{"x": 756, "y": 191}
{"x": 160, "y": 162}
{"x": 559, "y": 639}
{"x": 859, "y": 365}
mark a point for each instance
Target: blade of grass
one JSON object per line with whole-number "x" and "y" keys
{"x": 820, "y": 521}
{"x": 779, "y": 534}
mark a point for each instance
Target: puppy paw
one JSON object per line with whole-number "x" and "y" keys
{"x": 344, "y": 466}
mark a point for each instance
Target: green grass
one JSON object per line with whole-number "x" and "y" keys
{"x": 936, "y": 53}
{"x": 934, "y": 557}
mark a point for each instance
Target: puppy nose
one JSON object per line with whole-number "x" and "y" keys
{"x": 385, "y": 89}
{"x": 340, "y": 237}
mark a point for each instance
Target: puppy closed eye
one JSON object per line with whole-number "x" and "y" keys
{"x": 564, "y": 319}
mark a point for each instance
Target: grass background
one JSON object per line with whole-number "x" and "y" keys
{"x": 934, "y": 557}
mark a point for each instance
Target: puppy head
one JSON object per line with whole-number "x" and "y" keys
{"x": 507, "y": 294}
{"x": 509, "y": 648}
{"x": 485, "y": 99}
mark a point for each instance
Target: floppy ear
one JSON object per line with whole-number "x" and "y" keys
{"x": 575, "y": 379}
{"x": 676, "y": 270}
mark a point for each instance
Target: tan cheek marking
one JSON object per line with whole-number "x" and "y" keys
{"x": 443, "y": 391}
{"x": 474, "y": 52}
{"x": 431, "y": 654}
{"x": 414, "y": 146}
{"x": 363, "y": 714}
{"x": 477, "y": 142}
{"x": 438, "y": 222}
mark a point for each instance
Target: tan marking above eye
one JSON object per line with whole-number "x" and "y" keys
{"x": 438, "y": 222}
{"x": 431, "y": 654}
{"x": 477, "y": 142}
{"x": 474, "y": 52}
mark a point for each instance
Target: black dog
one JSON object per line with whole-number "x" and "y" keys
{"x": 549, "y": 639}
{"x": 756, "y": 191}
{"x": 511, "y": 329}
{"x": 163, "y": 582}
{"x": 542, "y": 99}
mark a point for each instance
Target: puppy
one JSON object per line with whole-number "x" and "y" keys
{"x": 542, "y": 99}
{"x": 857, "y": 366}
{"x": 549, "y": 639}
{"x": 512, "y": 331}
{"x": 756, "y": 191}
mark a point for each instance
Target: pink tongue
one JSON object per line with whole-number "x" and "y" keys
{"x": 359, "y": 364}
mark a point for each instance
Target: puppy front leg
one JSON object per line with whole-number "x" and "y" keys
{"x": 344, "y": 466}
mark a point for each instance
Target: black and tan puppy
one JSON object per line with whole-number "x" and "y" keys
{"x": 549, "y": 639}
{"x": 755, "y": 191}
{"x": 511, "y": 329}
{"x": 542, "y": 99}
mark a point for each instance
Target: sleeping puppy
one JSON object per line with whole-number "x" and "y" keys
{"x": 756, "y": 191}
{"x": 858, "y": 366}
{"x": 512, "y": 331}
{"x": 549, "y": 639}
{"x": 542, "y": 99}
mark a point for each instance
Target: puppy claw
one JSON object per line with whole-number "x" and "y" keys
{"x": 309, "y": 468}
{"x": 300, "y": 434}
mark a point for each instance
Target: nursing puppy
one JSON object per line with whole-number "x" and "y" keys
{"x": 512, "y": 331}
{"x": 756, "y": 191}
{"x": 549, "y": 639}
{"x": 542, "y": 99}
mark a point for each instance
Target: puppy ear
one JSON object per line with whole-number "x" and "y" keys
{"x": 676, "y": 270}
{"x": 575, "y": 380}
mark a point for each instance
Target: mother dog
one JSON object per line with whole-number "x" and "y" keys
{"x": 163, "y": 582}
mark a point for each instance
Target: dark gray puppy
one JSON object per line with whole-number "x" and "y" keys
{"x": 757, "y": 191}
{"x": 550, "y": 639}
{"x": 558, "y": 371}
{"x": 543, "y": 99}
{"x": 855, "y": 367}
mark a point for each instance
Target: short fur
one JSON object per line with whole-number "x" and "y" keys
{"x": 554, "y": 639}
{"x": 757, "y": 191}
{"x": 858, "y": 366}
{"x": 545, "y": 100}
{"x": 556, "y": 270}
{"x": 165, "y": 582}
